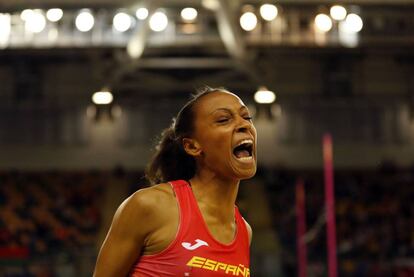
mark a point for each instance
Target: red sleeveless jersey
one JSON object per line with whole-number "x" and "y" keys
{"x": 194, "y": 251}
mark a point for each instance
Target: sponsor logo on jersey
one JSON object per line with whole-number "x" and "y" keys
{"x": 212, "y": 265}
{"x": 196, "y": 245}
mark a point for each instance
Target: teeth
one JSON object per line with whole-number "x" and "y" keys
{"x": 249, "y": 141}
{"x": 245, "y": 158}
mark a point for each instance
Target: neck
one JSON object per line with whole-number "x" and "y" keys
{"x": 215, "y": 195}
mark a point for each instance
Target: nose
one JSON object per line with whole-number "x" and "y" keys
{"x": 243, "y": 125}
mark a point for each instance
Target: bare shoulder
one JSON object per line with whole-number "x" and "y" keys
{"x": 159, "y": 190}
{"x": 152, "y": 198}
{"x": 162, "y": 190}
{"x": 147, "y": 203}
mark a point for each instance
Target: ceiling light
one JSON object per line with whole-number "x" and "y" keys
{"x": 352, "y": 24}
{"x": 5, "y": 27}
{"x": 122, "y": 22}
{"x": 102, "y": 98}
{"x": 25, "y": 14}
{"x": 141, "y": 13}
{"x": 268, "y": 12}
{"x": 5, "y": 24}
{"x": 264, "y": 96}
{"x": 338, "y": 12}
{"x": 158, "y": 22}
{"x": 189, "y": 14}
{"x": 35, "y": 21}
{"x": 323, "y": 22}
{"x": 248, "y": 21}
{"x": 84, "y": 21}
{"x": 54, "y": 15}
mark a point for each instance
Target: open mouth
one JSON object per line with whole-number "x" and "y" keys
{"x": 244, "y": 150}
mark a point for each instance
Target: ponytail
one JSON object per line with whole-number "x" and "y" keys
{"x": 170, "y": 162}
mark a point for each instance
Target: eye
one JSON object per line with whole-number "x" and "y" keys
{"x": 247, "y": 117}
{"x": 222, "y": 120}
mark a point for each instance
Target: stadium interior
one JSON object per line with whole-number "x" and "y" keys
{"x": 87, "y": 86}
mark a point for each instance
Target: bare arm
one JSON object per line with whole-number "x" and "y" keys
{"x": 126, "y": 237}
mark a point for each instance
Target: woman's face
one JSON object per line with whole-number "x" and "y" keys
{"x": 226, "y": 135}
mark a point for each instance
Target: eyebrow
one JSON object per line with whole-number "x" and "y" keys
{"x": 229, "y": 110}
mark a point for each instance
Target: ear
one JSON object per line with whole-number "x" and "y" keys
{"x": 192, "y": 147}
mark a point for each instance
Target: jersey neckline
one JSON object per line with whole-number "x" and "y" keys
{"x": 205, "y": 226}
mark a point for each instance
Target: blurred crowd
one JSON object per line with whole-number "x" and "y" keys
{"x": 47, "y": 214}
{"x": 51, "y": 222}
{"x": 55, "y": 217}
{"x": 374, "y": 220}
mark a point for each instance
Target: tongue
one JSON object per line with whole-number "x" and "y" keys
{"x": 241, "y": 153}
